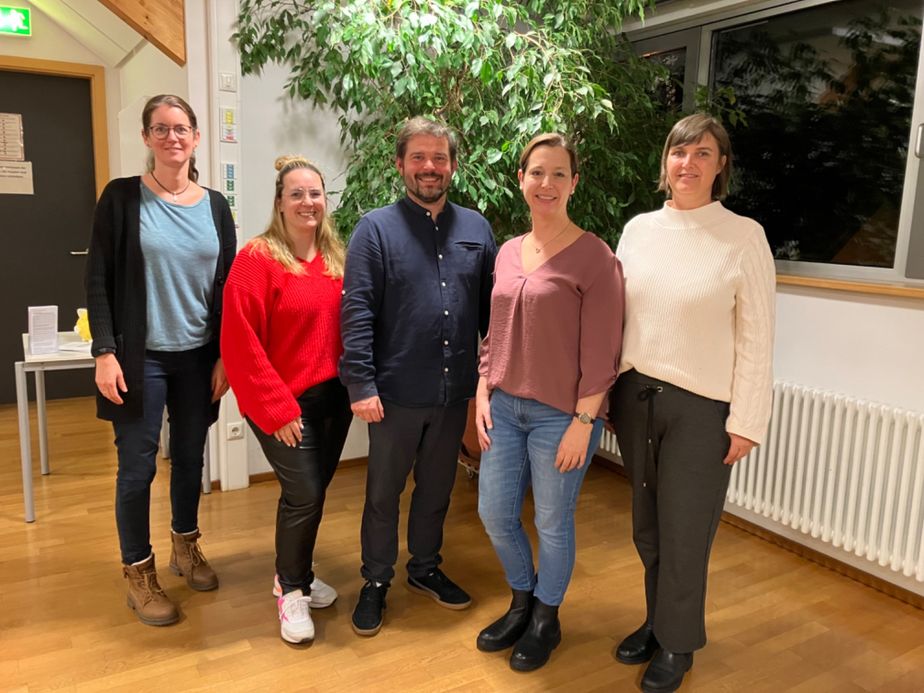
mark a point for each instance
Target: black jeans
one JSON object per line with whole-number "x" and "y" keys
{"x": 181, "y": 381}
{"x": 304, "y": 473}
{"x": 673, "y": 442}
{"x": 426, "y": 439}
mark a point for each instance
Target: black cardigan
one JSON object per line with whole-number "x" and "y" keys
{"x": 116, "y": 294}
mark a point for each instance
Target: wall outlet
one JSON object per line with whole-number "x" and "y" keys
{"x": 236, "y": 430}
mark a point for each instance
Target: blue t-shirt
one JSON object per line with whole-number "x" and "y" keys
{"x": 180, "y": 248}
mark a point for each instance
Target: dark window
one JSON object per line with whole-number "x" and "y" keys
{"x": 828, "y": 95}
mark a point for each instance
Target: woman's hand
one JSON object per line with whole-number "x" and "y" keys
{"x": 290, "y": 434}
{"x": 109, "y": 379}
{"x": 573, "y": 446}
{"x": 740, "y": 446}
{"x": 219, "y": 381}
{"x": 483, "y": 422}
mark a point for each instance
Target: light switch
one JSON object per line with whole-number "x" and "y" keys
{"x": 227, "y": 81}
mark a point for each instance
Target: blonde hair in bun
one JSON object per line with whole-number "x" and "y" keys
{"x": 275, "y": 239}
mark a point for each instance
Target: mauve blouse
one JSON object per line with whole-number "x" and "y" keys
{"x": 556, "y": 332}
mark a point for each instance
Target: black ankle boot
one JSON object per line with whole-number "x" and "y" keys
{"x": 638, "y": 647}
{"x": 506, "y": 630}
{"x": 543, "y": 634}
{"x": 665, "y": 673}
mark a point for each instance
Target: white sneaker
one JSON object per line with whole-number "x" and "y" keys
{"x": 322, "y": 594}
{"x": 295, "y": 624}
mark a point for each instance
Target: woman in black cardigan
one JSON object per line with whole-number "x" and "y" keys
{"x": 161, "y": 248}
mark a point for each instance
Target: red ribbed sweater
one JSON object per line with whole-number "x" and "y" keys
{"x": 280, "y": 335}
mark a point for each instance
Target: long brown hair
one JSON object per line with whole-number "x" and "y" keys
{"x": 275, "y": 240}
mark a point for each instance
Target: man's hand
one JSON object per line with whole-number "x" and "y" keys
{"x": 369, "y": 409}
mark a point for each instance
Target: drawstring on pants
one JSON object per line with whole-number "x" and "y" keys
{"x": 651, "y": 468}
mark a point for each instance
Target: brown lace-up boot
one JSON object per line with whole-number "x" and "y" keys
{"x": 146, "y": 598}
{"x": 186, "y": 559}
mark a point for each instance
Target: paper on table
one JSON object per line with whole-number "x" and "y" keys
{"x": 78, "y": 347}
{"x": 43, "y": 329}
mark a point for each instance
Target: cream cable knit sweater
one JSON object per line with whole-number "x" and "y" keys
{"x": 700, "y": 305}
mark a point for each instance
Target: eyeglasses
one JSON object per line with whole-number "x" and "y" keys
{"x": 160, "y": 132}
{"x": 299, "y": 194}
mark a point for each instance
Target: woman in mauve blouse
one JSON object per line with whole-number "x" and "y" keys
{"x": 547, "y": 362}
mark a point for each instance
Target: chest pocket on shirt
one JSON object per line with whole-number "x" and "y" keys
{"x": 468, "y": 253}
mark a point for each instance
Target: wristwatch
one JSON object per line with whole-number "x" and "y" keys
{"x": 584, "y": 417}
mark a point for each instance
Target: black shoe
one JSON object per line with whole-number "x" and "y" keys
{"x": 665, "y": 673}
{"x": 506, "y": 630}
{"x": 543, "y": 634}
{"x": 440, "y": 589}
{"x": 367, "y": 616}
{"x": 638, "y": 647}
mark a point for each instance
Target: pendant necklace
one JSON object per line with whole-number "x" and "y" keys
{"x": 175, "y": 194}
{"x": 537, "y": 248}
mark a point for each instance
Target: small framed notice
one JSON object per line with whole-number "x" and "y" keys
{"x": 11, "y": 144}
{"x": 43, "y": 330}
{"x": 16, "y": 178}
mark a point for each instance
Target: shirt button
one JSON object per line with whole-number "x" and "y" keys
{"x": 442, "y": 283}
{"x": 428, "y": 213}
{"x": 343, "y": 293}
{"x": 445, "y": 312}
{"x": 445, "y": 370}
{"x": 440, "y": 256}
{"x": 445, "y": 342}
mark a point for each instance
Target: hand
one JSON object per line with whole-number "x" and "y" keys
{"x": 219, "y": 381}
{"x": 483, "y": 422}
{"x": 740, "y": 446}
{"x": 290, "y": 434}
{"x": 573, "y": 447}
{"x": 369, "y": 410}
{"x": 109, "y": 379}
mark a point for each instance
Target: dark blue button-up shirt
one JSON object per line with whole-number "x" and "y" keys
{"x": 416, "y": 294}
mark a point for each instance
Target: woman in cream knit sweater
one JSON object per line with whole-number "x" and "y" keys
{"x": 694, "y": 392}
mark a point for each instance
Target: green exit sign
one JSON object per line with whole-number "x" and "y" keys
{"x": 16, "y": 21}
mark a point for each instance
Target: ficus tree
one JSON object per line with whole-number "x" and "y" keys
{"x": 497, "y": 72}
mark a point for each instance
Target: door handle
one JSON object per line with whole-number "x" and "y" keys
{"x": 918, "y": 142}
{"x": 80, "y": 252}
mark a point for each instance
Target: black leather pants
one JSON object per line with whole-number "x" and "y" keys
{"x": 304, "y": 472}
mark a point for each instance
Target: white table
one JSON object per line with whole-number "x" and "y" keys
{"x": 38, "y": 364}
{"x": 59, "y": 361}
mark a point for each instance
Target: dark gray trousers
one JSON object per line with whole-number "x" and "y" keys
{"x": 426, "y": 440}
{"x": 673, "y": 442}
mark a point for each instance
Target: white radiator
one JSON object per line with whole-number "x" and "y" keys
{"x": 845, "y": 474}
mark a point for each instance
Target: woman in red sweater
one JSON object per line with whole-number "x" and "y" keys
{"x": 280, "y": 342}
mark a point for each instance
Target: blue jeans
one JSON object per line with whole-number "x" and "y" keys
{"x": 181, "y": 381}
{"x": 524, "y": 442}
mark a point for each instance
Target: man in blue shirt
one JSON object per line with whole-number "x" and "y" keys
{"x": 417, "y": 291}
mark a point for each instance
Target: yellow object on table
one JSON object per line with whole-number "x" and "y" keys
{"x": 83, "y": 325}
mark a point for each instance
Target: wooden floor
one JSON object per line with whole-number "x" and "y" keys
{"x": 776, "y": 622}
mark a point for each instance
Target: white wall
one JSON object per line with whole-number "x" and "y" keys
{"x": 865, "y": 346}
